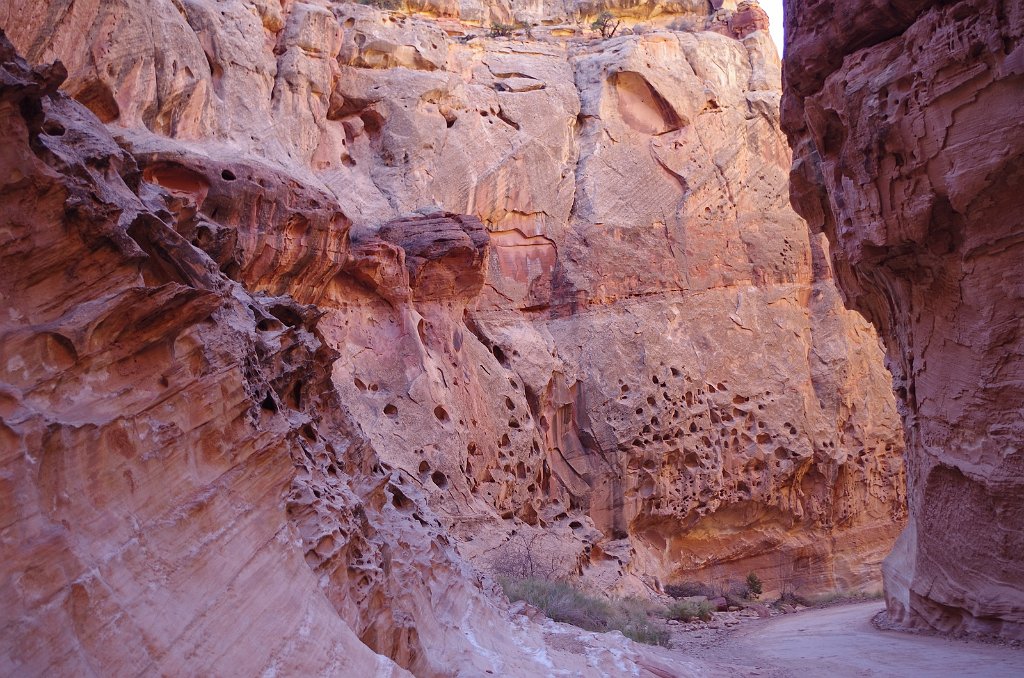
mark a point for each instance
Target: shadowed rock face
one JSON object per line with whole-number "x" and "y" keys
{"x": 909, "y": 154}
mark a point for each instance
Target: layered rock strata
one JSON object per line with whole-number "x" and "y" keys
{"x": 658, "y": 380}
{"x": 574, "y": 315}
{"x": 909, "y": 155}
{"x": 183, "y": 490}
{"x": 656, "y": 372}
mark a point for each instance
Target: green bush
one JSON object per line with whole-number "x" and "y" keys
{"x": 638, "y": 620}
{"x": 754, "y": 585}
{"x": 647, "y": 632}
{"x": 688, "y": 589}
{"x": 565, "y": 602}
{"x": 561, "y": 601}
{"x": 688, "y": 610}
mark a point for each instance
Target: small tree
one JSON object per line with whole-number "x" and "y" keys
{"x": 526, "y": 557}
{"x": 754, "y": 585}
{"x": 606, "y": 24}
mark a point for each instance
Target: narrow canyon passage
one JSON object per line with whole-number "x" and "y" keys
{"x": 327, "y": 325}
{"x": 842, "y": 642}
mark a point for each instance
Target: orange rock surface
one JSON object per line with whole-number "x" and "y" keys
{"x": 183, "y": 489}
{"x": 322, "y": 312}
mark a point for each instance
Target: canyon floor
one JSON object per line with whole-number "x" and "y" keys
{"x": 842, "y": 642}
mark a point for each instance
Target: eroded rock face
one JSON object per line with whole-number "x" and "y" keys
{"x": 909, "y": 155}
{"x": 146, "y": 423}
{"x": 658, "y": 377}
{"x": 747, "y": 18}
{"x": 183, "y": 489}
{"x": 557, "y": 287}
{"x": 654, "y": 350}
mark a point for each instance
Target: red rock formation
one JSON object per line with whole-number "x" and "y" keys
{"x": 182, "y": 489}
{"x": 634, "y": 200}
{"x": 560, "y": 402}
{"x": 576, "y": 305}
{"x": 747, "y": 18}
{"x": 905, "y": 119}
{"x": 444, "y": 254}
{"x": 149, "y": 411}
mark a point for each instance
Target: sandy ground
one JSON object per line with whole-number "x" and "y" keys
{"x": 841, "y": 642}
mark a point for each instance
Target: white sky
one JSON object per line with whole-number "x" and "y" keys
{"x": 774, "y": 10}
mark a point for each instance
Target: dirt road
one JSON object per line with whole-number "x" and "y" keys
{"x": 841, "y": 642}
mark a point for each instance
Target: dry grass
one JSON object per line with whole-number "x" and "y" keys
{"x": 564, "y": 602}
{"x": 688, "y": 610}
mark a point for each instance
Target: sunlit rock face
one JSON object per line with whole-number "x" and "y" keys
{"x": 440, "y": 296}
{"x": 908, "y": 145}
{"x": 657, "y": 376}
{"x": 184, "y": 491}
{"x": 152, "y": 427}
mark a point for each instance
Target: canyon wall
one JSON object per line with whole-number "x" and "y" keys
{"x": 183, "y": 489}
{"x": 319, "y": 311}
{"x": 909, "y": 155}
{"x": 657, "y": 380}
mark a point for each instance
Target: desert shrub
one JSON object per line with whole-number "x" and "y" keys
{"x": 736, "y": 595}
{"x": 687, "y": 610}
{"x": 566, "y": 602}
{"x": 688, "y": 589}
{"x": 790, "y": 598}
{"x": 833, "y": 597}
{"x": 638, "y": 619}
{"x": 500, "y": 30}
{"x": 647, "y": 632}
{"x": 528, "y": 556}
{"x": 754, "y": 586}
{"x": 382, "y": 4}
{"x": 560, "y": 601}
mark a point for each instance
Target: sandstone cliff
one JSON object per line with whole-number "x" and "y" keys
{"x": 910, "y": 157}
{"x": 441, "y": 296}
{"x": 183, "y": 490}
